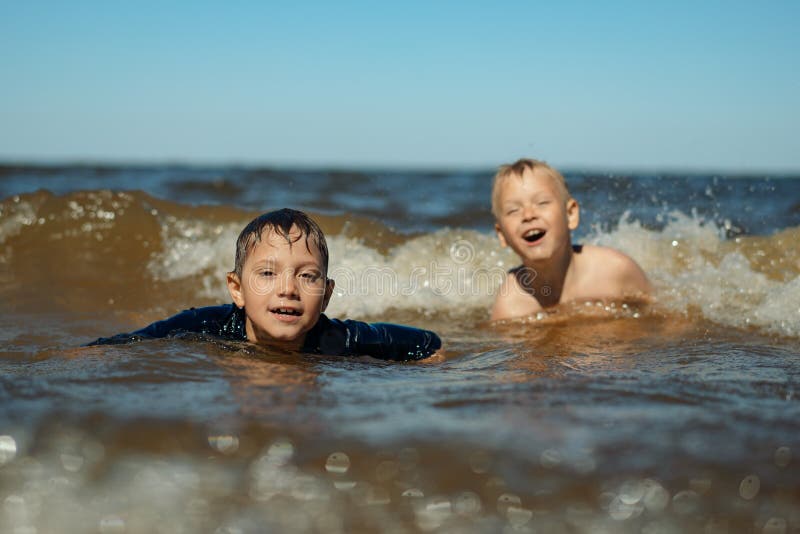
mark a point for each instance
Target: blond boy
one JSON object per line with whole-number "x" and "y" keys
{"x": 535, "y": 215}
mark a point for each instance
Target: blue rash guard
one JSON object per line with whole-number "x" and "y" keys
{"x": 329, "y": 336}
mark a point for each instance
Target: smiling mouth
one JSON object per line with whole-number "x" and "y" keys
{"x": 531, "y": 236}
{"x": 287, "y": 311}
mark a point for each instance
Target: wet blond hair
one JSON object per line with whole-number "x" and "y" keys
{"x": 518, "y": 169}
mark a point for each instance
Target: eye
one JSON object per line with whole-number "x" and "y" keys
{"x": 544, "y": 202}
{"x": 267, "y": 273}
{"x": 310, "y": 276}
{"x": 512, "y": 211}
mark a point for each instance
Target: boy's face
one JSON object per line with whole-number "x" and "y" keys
{"x": 535, "y": 218}
{"x": 283, "y": 288}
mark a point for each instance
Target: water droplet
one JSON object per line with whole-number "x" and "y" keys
{"x": 783, "y": 455}
{"x": 72, "y": 462}
{"x": 619, "y": 510}
{"x": 467, "y": 503}
{"x": 656, "y": 498}
{"x": 775, "y": 525}
{"x": 413, "y": 493}
{"x": 280, "y": 452}
{"x": 225, "y": 444}
{"x": 338, "y": 463}
{"x": 8, "y": 449}
{"x": 506, "y": 500}
{"x": 344, "y": 485}
{"x": 433, "y": 514}
{"x": 749, "y": 487}
{"x": 518, "y": 516}
{"x": 550, "y": 458}
{"x": 631, "y": 491}
{"x": 685, "y": 502}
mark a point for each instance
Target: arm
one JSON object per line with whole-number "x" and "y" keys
{"x": 391, "y": 341}
{"x": 208, "y": 320}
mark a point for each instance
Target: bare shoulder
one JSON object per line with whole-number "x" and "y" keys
{"x": 513, "y": 301}
{"x": 617, "y": 268}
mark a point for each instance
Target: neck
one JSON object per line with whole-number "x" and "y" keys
{"x": 546, "y": 280}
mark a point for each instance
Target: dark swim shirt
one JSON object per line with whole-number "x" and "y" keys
{"x": 329, "y": 336}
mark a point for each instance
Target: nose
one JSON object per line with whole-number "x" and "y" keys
{"x": 288, "y": 286}
{"x": 528, "y": 212}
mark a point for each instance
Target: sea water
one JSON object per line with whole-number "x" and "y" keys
{"x": 594, "y": 417}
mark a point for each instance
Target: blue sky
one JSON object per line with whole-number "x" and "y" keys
{"x": 604, "y": 85}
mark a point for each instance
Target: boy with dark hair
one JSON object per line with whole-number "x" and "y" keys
{"x": 280, "y": 288}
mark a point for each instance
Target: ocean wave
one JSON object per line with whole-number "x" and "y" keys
{"x": 99, "y": 249}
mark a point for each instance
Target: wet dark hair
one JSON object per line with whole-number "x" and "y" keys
{"x": 281, "y": 222}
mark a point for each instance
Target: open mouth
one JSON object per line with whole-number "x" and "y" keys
{"x": 287, "y": 311}
{"x": 531, "y": 236}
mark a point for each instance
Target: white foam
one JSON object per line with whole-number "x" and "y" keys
{"x": 458, "y": 271}
{"x": 14, "y": 216}
{"x": 446, "y": 271}
{"x": 691, "y": 267}
{"x": 196, "y": 249}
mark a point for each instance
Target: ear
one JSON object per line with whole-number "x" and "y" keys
{"x": 235, "y": 289}
{"x": 573, "y": 214}
{"x": 329, "y": 285}
{"x": 500, "y": 235}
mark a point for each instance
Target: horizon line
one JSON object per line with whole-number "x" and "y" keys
{"x": 254, "y": 164}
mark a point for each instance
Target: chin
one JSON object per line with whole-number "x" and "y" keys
{"x": 285, "y": 336}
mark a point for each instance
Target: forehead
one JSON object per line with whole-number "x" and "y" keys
{"x": 528, "y": 183}
{"x": 274, "y": 246}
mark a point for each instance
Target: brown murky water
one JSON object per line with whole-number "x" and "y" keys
{"x": 598, "y": 418}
